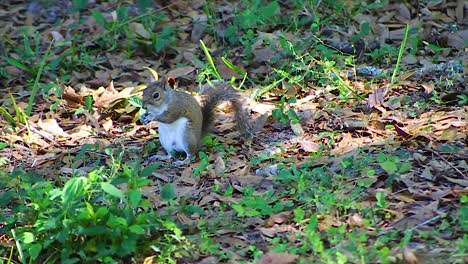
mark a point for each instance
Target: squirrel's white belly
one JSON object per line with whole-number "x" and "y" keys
{"x": 172, "y": 135}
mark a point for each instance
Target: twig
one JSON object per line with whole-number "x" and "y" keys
{"x": 450, "y": 164}
{"x": 425, "y": 222}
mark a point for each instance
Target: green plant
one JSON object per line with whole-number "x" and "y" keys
{"x": 254, "y": 205}
{"x": 436, "y": 98}
{"x": 204, "y": 162}
{"x": 256, "y": 14}
{"x": 437, "y": 50}
{"x": 285, "y": 112}
{"x": 211, "y": 69}
{"x": 384, "y": 53}
{"x": 141, "y": 33}
{"x": 90, "y": 218}
{"x": 28, "y": 62}
{"x": 462, "y": 99}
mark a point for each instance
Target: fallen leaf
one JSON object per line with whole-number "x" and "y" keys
{"x": 277, "y": 218}
{"x": 180, "y": 72}
{"x": 355, "y": 221}
{"x": 219, "y": 166}
{"x": 409, "y": 256}
{"x": 277, "y": 258}
{"x": 51, "y": 126}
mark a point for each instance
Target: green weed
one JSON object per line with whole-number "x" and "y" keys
{"x": 88, "y": 218}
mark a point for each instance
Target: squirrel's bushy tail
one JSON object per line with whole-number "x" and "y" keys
{"x": 212, "y": 97}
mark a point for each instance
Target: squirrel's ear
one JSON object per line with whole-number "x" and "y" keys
{"x": 171, "y": 82}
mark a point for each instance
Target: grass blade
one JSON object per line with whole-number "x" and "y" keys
{"x": 36, "y": 80}
{"x": 400, "y": 55}
{"x": 210, "y": 60}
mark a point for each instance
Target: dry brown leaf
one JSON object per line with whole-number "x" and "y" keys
{"x": 82, "y": 131}
{"x": 219, "y": 166}
{"x": 209, "y": 260}
{"x": 376, "y": 98}
{"x": 103, "y": 97}
{"x": 427, "y": 174}
{"x": 96, "y": 82}
{"x": 308, "y": 145}
{"x": 56, "y": 36}
{"x": 409, "y": 256}
{"x": 279, "y": 218}
{"x": 263, "y": 55}
{"x": 450, "y": 134}
{"x": 140, "y": 30}
{"x": 51, "y": 126}
{"x": 355, "y": 221}
{"x": 297, "y": 128}
{"x": 199, "y": 26}
{"x": 277, "y": 258}
{"x": 180, "y": 72}
{"x": 325, "y": 222}
{"x": 71, "y": 97}
{"x": 269, "y": 232}
{"x": 107, "y": 125}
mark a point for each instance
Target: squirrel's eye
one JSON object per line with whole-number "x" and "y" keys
{"x": 156, "y": 95}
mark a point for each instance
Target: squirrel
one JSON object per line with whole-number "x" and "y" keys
{"x": 183, "y": 122}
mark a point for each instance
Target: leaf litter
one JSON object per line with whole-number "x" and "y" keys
{"x": 425, "y": 193}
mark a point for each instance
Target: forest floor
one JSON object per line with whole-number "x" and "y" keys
{"x": 361, "y": 128}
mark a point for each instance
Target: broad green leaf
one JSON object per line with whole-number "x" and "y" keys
{"x": 17, "y": 64}
{"x": 3, "y": 145}
{"x": 34, "y": 250}
{"x": 405, "y": 167}
{"x": 299, "y": 214}
{"x": 115, "y": 222}
{"x": 464, "y": 199}
{"x": 73, "y": 190}
{"x": 112, "y": 190}
{"x": 167, "y": 192}
{"x": 251, "y": 213}
{"x": 122, "y": 13}
{"x": 148, "y": 170}
{"x": 27, "y": 237}
{"x": 90, "y": 209}
{"x": 389, "y": 166}
{"x": 313, "y": 223}
{"x": 134, "y": 197}
{"x": 239, "y": 209}
{"x": 269, "y": 10}
{"x": 88, "y": 102}
{"x": 101, "y": 212}
{"x": 135, "y": 101}
{"x": 100, "y": 19}
{"x": 381, "y": 202}
{"x": 192, "y": 209}
{"x": 5, "y": 198}
{"x": 137, "y": 229}
{"x": 94, "y": 230}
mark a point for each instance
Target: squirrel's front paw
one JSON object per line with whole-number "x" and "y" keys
{"x": 146, "y": 118}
